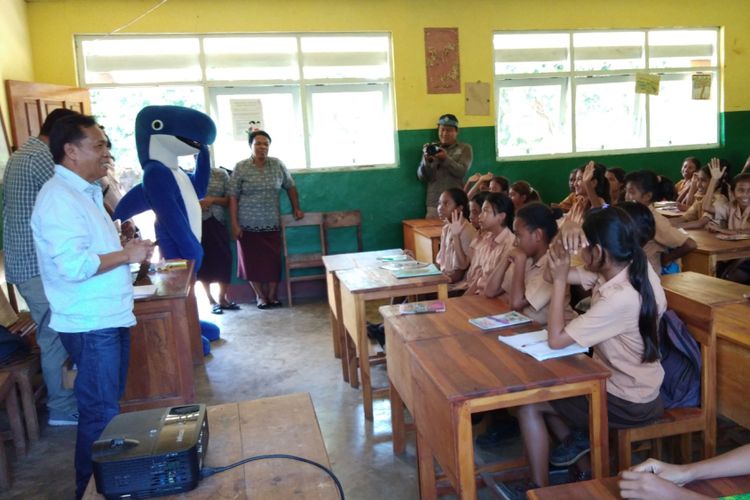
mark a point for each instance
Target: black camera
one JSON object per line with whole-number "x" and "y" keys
{"x": 432, "y": 149}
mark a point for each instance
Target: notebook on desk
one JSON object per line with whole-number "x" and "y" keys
{"x": 535, "y": 344}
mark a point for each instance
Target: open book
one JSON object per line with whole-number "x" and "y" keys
{"x": 503, "y": 320}
{"x": 535, "y": 344}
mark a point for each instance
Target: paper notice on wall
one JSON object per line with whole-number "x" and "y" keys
{"x": 247, "y": 115}
{"x": 701, "y": 86}
{"x": 646, "y": 83}
{"x": 477, "y": 98}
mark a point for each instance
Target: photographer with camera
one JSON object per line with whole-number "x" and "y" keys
{"x": 444, "y": 164}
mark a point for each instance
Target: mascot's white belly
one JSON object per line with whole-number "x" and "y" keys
{"x": 191, "y": 201}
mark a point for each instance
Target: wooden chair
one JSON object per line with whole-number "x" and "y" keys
{"x": 684, "y": 421}
{"x": 335, "y": 220}
{"x": 10, "y": 399}
{"x": 302, "y": 260}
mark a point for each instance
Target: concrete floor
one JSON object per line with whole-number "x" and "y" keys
{"x": 268, "y": 353}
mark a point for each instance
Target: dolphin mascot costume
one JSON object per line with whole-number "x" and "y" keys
{"x": 162, "y": 134}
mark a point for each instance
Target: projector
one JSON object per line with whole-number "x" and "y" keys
{"x": 151, "y": 453}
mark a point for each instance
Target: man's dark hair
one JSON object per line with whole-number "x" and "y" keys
{"x": 52, "y": 118}
{"x": 68, "y": 130}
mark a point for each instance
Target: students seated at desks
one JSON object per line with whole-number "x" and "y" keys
{"x": 592, "y": 191}
{"x": 643, "y": 220}
{"x": 656, "y": 479}
{"x": 669, "y": 243}
{"x": 665, "y": 191}
{"x": 527, "y": 290}
{"x": 696, "y": 216}
{"x": 454, "y": 255}
{"x": 621, "y": 326}
{"x": 567, "y": 202}
{"x": 685, "y": 187}
{"x": 475, "y": 208}
{"x": 499, "y": 184}
{"x": 616, "y": 178}
{"x": 521, "y": 193}
{"x": 491, "y": 247}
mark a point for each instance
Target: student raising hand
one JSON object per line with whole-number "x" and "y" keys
{"x": 559, "y": 262}
{"x": 457, "y": 222}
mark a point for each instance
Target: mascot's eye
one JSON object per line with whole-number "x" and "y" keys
{"x": 157, "y": 124}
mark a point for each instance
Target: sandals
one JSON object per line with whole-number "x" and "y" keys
{"x": 263, "y": 306}
{"x": 230, "y": 306}
{"x": 216, "y": 309}
{"x": 275, "y": 303}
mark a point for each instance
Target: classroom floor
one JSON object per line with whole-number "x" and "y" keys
{"x": 268, "y": 353}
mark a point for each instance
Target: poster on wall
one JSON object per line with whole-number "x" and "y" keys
{"x": 247, "y": 115}
{"x": 647, "y": 83}
{"x": 701, "y": 86}
{"x": 441, "y": 60}
{"x": 477, "y": 98}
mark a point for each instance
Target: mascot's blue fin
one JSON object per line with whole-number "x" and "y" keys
{"x": 133, "y": 203}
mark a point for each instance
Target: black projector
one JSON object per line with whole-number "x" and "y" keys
{"x": 151, "y": 453}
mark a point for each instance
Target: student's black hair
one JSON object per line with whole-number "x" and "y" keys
{"x": 256, "y": 133}
{"x": 503, "y": 181}
{"x": 53, "y": 117}
{"x": 460, "y": 199}
{"x": 646, "y": 181}
{"x": 740, "y": 178}
{"x": 501, "y": 204}
{"x": 524, "y": 189}
{"x": 615, "y": 232}
{"x": 537, "y": 215}
{"x": 694, "y": 160}
{"x": 643, "y": 219}
{"x": 619, "y": 174}
{"x": 602, "y": 183}
{"x": 480, "y": 197}
{"x": 68, "y": 130}
{"x": 666, "y": 191}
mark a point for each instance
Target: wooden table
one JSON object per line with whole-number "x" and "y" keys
{"x": 284, "y": 424}
{"x": 340, "y": 262}
{"x": 410, "y": 225}
{"x": 733, "y": 362}
{"x": 712, "y": 250}
{"x": 401, "y": 330}
{"x": 164, "y": 344}
{"x": 607, "y": 489}
{"x": 706, "y": 289}
{"x": 364, "y": 284}
{"x": 457, "y": 376}
{"x": 427, "y": 242}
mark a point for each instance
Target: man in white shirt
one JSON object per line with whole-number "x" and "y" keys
{"x": 86, "y": 276}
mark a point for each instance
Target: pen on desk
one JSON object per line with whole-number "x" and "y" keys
{"x": 534, "y": 343}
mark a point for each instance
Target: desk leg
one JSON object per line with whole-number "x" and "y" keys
{"x": 426, "y": 469}
{"x": 335, "y": 334}
{"x": 398, "y": 425}
{"x": 350, "y": 355}
{"x": 363, "y": 347}
{"x": 599, "y": 430}
{"x": 467, "y": 487}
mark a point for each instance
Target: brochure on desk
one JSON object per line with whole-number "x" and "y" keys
{"x": 504, "y": 320}
{"x": 535, "y": 344}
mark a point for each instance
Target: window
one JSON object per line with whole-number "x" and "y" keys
{"x": 574, "y": 92}
{"x": 326, "y": 99}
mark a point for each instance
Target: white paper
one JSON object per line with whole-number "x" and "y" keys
{"x": 535, "y": 344}
{"x": 141, "y": 291}
{"x": 247, "y": 115}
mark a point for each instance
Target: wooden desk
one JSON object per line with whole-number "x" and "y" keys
{"x": 339, "y": 262}
{"x": 164, "y": 344}
{"x": 607, "y": 489}
{"x": 457, "y": 376}
{"x": 706, "y": 289}
{"x": 427, "y": 242}
{"x": 410, "y": 225}
{"x": 733, "y": 362}
{"x": 401, "y": 330}
{"x": 712, "y": 250}
{"x": 359, "y": 286}
{"x": 249, "y": 428}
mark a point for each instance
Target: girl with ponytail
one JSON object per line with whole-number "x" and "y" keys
{"x": 621, "y": 327}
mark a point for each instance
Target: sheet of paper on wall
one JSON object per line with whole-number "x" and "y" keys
{"x": 477, "y": 98}
{"x": 701, "y": 86}
{"x": 646, "y": 83}
{"x": 247, "y": 115}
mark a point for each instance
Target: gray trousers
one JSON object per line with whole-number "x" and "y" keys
{"x": 60, "y": 402}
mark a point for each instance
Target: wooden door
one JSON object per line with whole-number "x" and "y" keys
{"x": 31, "y": 102}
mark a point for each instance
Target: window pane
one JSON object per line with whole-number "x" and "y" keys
{"x": 251, "y": 58}
{"x": 351, "y": 126}
{"x": 602, "y": 51}
{"x": 683, "y": 48}
{"x": 533, "y": 118}
{"x": 116, "y": 108}
{"x": 609, "y": 114}
{"x": 677, "y": 119}
{"x": 141, "y": 60}
{"x": 326, "y": 57}
{"x": 281, "y": 119}
{"x": 531, "y": 53}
